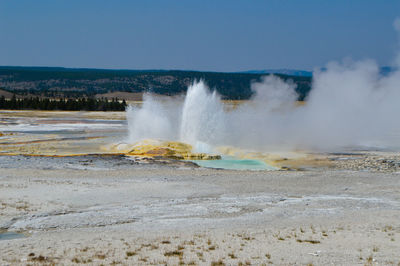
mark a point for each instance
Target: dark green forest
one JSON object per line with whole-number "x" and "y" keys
{"x": 79, "y": 104}
{"x": 83, "y": 83}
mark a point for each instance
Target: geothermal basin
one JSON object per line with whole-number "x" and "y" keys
{"x": 125, "y": 187}
{"x": 35, "y": 133}
{"x": 196, "y": 130}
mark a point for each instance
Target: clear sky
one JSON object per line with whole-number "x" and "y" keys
{"x": 215, "y": 35}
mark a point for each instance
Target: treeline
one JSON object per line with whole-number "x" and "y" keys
{"x": 74, "y": 83}
{"x": 80, "y": 104}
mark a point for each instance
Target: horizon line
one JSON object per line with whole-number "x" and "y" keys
{"x": 153, "y": 69}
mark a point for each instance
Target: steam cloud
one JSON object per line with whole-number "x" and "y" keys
{"x": 351, "y": 104}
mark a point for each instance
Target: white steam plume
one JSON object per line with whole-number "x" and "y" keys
{"x": 350, "y": 105}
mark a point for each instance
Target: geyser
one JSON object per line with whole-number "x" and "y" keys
{"x": 202, "y": 118}
{"x": 351, "y": 105}
{"x": 197, "y": 120}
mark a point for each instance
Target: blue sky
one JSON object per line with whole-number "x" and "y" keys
{"x": 213, "y": 35}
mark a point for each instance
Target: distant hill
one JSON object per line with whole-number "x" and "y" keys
{"x": 69, "y": 82}
{"x": 6, "y": 94}
{"x": 128, "y": 96}
{"x": 290, "y": 72}
{"x": 385, "y": 70}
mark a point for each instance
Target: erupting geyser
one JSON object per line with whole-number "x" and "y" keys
{"x": 202, "y": 116}
{"x": 198, "y": 120}
{"x": 351, "y": 104}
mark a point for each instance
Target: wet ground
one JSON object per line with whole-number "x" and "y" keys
{"x": 59, "y": 133}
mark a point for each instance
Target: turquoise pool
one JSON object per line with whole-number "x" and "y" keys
{"x": 232, "y": 163}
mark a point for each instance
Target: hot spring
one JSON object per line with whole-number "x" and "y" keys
{"x": 198, "y": 120}
{"x": 351, "y": 106}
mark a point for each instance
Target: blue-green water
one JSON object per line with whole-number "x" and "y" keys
{"x": 232, "y": 163}
{"x": 10, "y": 235}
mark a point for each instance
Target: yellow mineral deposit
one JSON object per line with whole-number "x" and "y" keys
{"x": 165, "y": 149}
{"x": 169, "y": 149}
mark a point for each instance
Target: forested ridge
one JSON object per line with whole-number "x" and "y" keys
{"x": 55, "y": 82}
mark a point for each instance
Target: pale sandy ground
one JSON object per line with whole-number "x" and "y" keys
{"x": 138, "y": 215}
